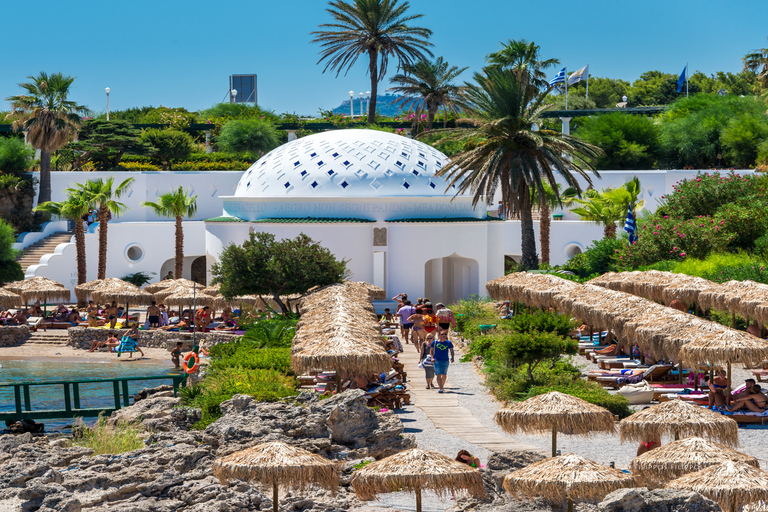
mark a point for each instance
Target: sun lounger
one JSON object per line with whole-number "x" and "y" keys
{"x": 760, "y": 375}
{"x": 652, "y": 374}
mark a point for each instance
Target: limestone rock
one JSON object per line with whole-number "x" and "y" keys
{"x": 641, "y": 499}
{"x": 148, "y": 409}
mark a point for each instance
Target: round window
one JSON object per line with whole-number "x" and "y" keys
{"x": 572, "y": 250}
{"x": 134, "y": 253}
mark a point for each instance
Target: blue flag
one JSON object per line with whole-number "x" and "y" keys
{"x": 629, "y": 226}
{"x": 681, "y": 80}
{"x": 560, "y": 77}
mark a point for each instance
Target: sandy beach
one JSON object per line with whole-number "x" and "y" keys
{"x": 65, "y": 353}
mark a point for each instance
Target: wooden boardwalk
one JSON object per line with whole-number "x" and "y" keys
{"x": 446, "y": 414}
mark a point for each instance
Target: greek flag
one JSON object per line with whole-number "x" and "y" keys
{"x": 681, "y": 80}
{"x": 560, "y": 77}
{"x": 629, "y": 226}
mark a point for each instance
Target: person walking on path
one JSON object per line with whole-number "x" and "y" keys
{"x": 445, "y": 318}
{"x": 426, "y": 361}
{"x": 439, "y": 351}
{"x": 405, "y": 313}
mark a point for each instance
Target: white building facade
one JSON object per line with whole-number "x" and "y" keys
{"x": 370, "y": 197}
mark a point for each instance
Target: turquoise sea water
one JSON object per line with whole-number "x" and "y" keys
{"x": 91, "y": 395}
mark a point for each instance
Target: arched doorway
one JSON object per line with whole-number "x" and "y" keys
{"x": 451, "y": 278}
{"x": 199, "y": 273}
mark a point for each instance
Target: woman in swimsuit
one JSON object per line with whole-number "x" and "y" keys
{"x": 756, "y": 402}
{"x": 717, "y": 389}
{"x": 419, "y": 334}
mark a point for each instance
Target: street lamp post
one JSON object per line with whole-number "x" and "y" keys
{"x": 233, "y": 95}
{"x": 361, "y": 103}
{"x": 107, "y": 91}
{"x": 352, "y": 103}
{"x": 368, "y": 97}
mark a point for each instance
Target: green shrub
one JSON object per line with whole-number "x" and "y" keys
{"x": 531, "y": 349}
{"x": 223, "y": 384}
{"x": 10, "y": 271}
{"x": 278, "y": 359}
{"x": 761, "y": 246}
{"x": 481, "y": 346}
{"x": 600, "y": 257}
{"x": 629, "y": 142}
{"x": 253, "y": 137}
{"x": 15, "y": 156}
{"x": 168, "y": 146}
{"x": 542, "y": 321}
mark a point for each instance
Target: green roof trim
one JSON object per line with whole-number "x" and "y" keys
{"x": 448, "y": 219}
{"x": 311, "y": 220}
{"x": 224, "y": 219}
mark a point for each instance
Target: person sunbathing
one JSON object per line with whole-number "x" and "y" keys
{"x": 110, "y": 343}
{"x": 611, "y": 350}
{"x": 755, "y": 402}
{"x": 467, "y": 458}
{"x": 717, "y": 387}
{"x": 626, "y": 372}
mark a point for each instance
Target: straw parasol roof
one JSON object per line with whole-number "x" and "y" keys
{"x": 676, "y": 418}
{"x": 655, "y": 467}
{"x": 9, "y": 299}
{"x": 121, "y": 291}
{"x": 156, "y": 287}
{"x": 374, "y": 292}
{"x": 415, "y": 470}
{"x": 276, "y": 463}
{"x": 555, "y": 412}
{"x": 345, "y": 353}
{"x": 728, "y": 346}
{"x": 177, "y": 284}
{"x": 688, "y": 289}
{"x": 39, "y": 288}
{"x": 567, "y": 477}
{"x": 83, "y": 291}
{"x": 183, "y": 296}
{"x": 731, "y": 484}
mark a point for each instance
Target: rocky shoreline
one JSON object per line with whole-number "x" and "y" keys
{"x": 172, "y": 472}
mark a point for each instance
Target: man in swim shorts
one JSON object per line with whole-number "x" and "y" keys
{"x": 405, "y": 313}
{"x": 153, "y": 315}
{"x": 439, "y": 351}
{"x": 112, "y": 314}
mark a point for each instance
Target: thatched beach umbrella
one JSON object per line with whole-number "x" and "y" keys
{"x": 655, "y": 467}
{"x": 83, "y": 291}
{"x": 567, "y": 477}
{"x": 186, "y": 296}
{"x": 39, "y": 288}
{"x": 374, "y": 292}
{"x": 676, "y": 418}
{"x": 175, "y": 286}
{"x": 156, "y": 287}
{"x": 688, "y": 289}
{"x": 414, "y": 471}
{"x": 276, "y": 463}
{"x": 122, "y": 292}
{"x": 731, "y": 484}
{"x": 555, "y": 412}
{"x": 346, "y": 355}
{"x": 9, "y": 299}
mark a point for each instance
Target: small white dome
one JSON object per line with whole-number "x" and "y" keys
{"x": 347, "y": 164}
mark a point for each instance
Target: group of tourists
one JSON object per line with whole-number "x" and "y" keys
{"x": 427, "y": 328}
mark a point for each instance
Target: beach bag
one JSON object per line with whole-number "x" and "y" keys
{"x": 636, "y": 394}
{"x": 428, "y": 362}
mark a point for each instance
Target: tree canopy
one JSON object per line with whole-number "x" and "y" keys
{"x": 263, "y": 265}
{"x": 105, "y": 142}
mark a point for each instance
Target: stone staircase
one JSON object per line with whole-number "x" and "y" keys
{"x": 33, "y": 253}
{"x": 56, "y": 337}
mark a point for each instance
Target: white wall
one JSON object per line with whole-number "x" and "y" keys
{"x": 156, "y": 240}
{"x": 563, "y": 233}
{"x": 148, "y": 185}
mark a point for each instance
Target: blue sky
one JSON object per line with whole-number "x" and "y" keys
{"x": 180, "y": 53}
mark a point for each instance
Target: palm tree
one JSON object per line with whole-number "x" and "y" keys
{"x": 757, "y": 61}
{"x": 600, "y": 210}
{"x": 48, "y": 118}
{"x": 73, "y": 208}
{"x": 102, "y": 194}
{"x": 426, "y": 86}
{"x": 548, "y": 200}
{"x": 523, "y": 56}
{"x": 378, "y": 28}
{"x": 507, "y": 153}
{"x": 609, "y": 206}
{"x": 176, "y": 204}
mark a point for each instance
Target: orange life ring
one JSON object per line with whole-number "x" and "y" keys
{"x": 195, "y": 366}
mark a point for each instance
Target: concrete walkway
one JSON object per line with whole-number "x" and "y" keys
{"x": 445, "y": 412}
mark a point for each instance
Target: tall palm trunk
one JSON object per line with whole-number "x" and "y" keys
{"x": 179, "y": 249}
{"x": 45, "y": 177}
{"x": 431, "y": 113}
{"x": 529, "y": 260}
{"x": 610, "y": 230}
{"x": 80, "y": 251}
{"x": 544, "y": 227}
{"x": 103, "y": 216}
{"x": 373, "y": 70}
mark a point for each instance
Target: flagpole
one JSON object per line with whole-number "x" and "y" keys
{"x": 587, "y": 85}
{"x": 686, "y": 79}
{"x": 565, "y": 77}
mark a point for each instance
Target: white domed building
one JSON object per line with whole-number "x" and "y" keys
{"x": 372, "y": 198}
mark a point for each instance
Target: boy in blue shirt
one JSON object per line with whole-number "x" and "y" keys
{"x": 439, "y": 350}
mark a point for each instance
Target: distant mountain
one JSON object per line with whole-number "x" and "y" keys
{"x": 383, "y": 106}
